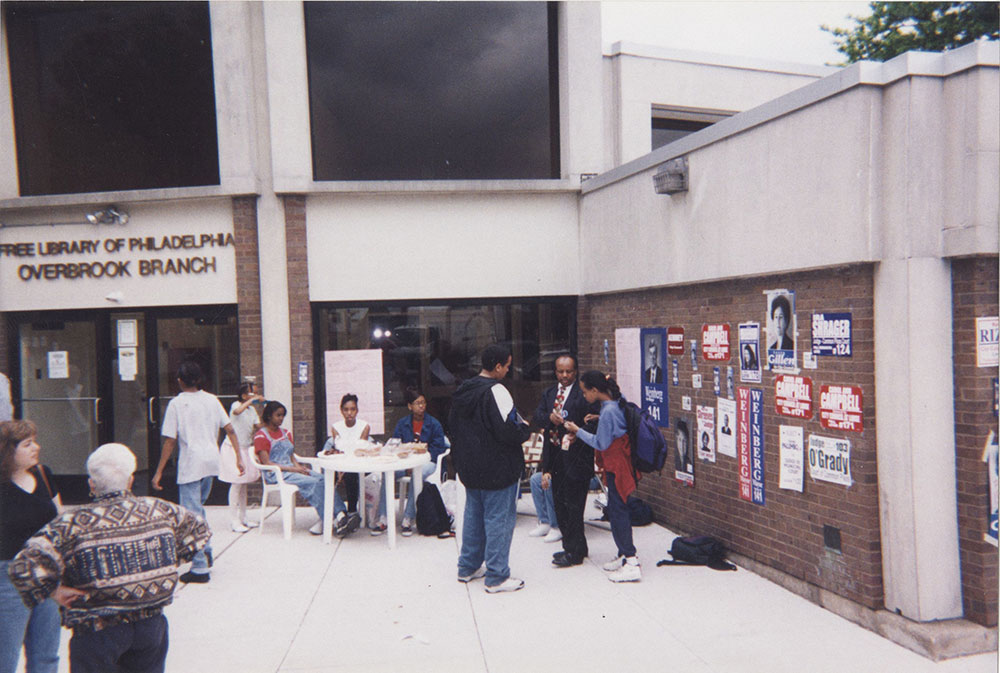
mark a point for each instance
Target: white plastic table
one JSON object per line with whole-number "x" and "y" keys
{"x": 362, "y": 465}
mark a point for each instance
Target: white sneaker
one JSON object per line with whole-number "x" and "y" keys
{"x": 238, "y": 527}
{"x": 250, "y": 523}
{"x": 629, "y": 572}
{"x": 554, "y": 536}
{"x": 614, "y": 565}
{"x": 317, "y": 528}
{"x": 540, "y": 530}
{"x": 509, "y": 584}
{"x": 476, "y": 574}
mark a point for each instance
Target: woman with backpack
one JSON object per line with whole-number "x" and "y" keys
{"x": 614, "y": 454}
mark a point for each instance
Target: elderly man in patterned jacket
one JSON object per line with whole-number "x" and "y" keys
{"x": 112, "y": 565}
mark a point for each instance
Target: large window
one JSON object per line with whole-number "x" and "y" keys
{"x": 112, "y": 95}
{"x": 434, "y": 347}
{"x": 433, "y": 90}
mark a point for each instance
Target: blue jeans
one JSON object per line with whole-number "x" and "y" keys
{"x": 544, "y": 505}
{"x": 36, "y": 629}
{"x": 311, "y": 487}
{"x": 411, "y": 505}
{"x": 192, "y": 496}
{"x": 136, "y": 647}
{"x": 487, "y": 530}
{"x": 621, "y": 520}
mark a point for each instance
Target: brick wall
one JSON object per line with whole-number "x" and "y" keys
{"x": 248, "y": 288}
{"x": 974, "y": 294}
{"x": 300, "y": 317}
{"x": 786, "y": 533}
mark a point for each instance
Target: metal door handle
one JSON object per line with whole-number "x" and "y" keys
{"x": 149, "y": 407}
{"x": 97, "y": 411}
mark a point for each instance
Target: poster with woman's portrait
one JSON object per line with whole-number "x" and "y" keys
{"x": 781, "y": 330}
{"x": 749, "y": 338}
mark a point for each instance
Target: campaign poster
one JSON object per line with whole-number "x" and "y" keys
{"x": 792, "y": 467}
{"x": 781, "y": 330}
{"x": 730, "y": 383}
{"x": 628, "y": 363}
{"x": 676, "y": 372}
{"x": 830, "y": 459}
{"x": 706, "y": 433}
{"x": 840, "y": 408}
{"x": 793, "y": 396}
{"x": 990, "y": 455}
{"x": 749, "y": 335}
{"x": 716, "y": 381}
{"x": 988, "y": 342}
{"x": 675, "y": 340}
{"x": 684, "y": 453}
{"x": 694, "y": 354}
{"x": 654, "y": 388}
{"x": 358, "y": 372}
{"x": 831, "y": 334}
{"x": 750, "y": 429}
{"x": 715, "y": 342}
{"x": 726, "y": 435}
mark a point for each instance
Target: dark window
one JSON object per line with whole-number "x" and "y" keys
{"x": 666, "y": 131}
{"x": 433, "y": 90}
{"x": 436, "y": 346}
{"x": 112, "y": 95}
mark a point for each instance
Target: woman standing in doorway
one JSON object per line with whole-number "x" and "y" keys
{"x": 28, "y": 500}
{"x": 246, "y": 422}
{"x": 615, "y": 456}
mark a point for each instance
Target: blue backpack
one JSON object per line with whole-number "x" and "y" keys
{"x": 649, "y": 449}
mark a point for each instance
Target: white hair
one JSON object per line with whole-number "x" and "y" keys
{"x": 110, "y": 468}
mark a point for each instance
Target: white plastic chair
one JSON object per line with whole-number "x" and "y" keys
{"x": 285, "y": 491}
{"x": 434, "y": 478}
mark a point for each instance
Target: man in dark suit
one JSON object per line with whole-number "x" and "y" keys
{"x": 653, "y": 372}
{"x": 566, "y": 468}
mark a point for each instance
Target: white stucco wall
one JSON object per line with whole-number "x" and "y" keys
{"x": 413, "y": 246}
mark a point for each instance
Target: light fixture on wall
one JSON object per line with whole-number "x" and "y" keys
{"x": 108, "y": 215}
{"x": 671, "y": 177}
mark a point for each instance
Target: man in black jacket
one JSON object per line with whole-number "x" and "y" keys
{"x": 566, "y": 469}
{"x": 486, "y": 436}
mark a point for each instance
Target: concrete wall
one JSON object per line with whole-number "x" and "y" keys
{"x": 640, "y": 76}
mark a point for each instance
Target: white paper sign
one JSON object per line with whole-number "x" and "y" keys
{"x": 686, "y": 403}
{"x": 726, "y": 434}
{"x": 627, "y": 364}
{"x": 830, "y": 459}
{"x": 988, "y": 342}
{"x": 127, "y": 333}
{"x": 790, "y": 437}
{"x": 358, "y": 372}
{"x": 128, "y": 364}
{"x": 706, "y": 433}
{"x": 58, "y": 364}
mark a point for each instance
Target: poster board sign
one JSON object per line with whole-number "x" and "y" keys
{"x": 715, "y": 342}
{"x": 749, "y": 337}
{"x": 750, "y": 415}
{"x": 358, "y": 372}
{"x": 726, "y": 435}
{"x": 706, "y": 433}
{"x": 654, "y": 378}
{"x": 840, "y": 408}
{"x": 684, "y": 452}
{"x": 988, "y": 342}
{"x": 831, "y": 334}
{"x": 781, "y": 330}
{"x": 675, "y": 340}
{"x": 792, "y": 468}
{"x": 830, "y": 459}
{"x": 990, "y": 455}
{"x": 793, "y": 396}
{"x": 627, "y": 362}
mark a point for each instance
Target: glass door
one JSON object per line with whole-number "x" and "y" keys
{"x": 131, "y": 415}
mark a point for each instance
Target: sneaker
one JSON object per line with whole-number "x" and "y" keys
{"x": 611, "y": 566}
{"x": 379, "y": 528}
{"x": 629, "y": 572}
{"x": 476, "y": 574}
{"x": 194, "y": 578}
{"x": 540, "y": 530}
{"x": 554, "y": 535}
{"x": 317, "y": 528}
{"x": 346, "y": 524}
{"x": 250, "y": 523}
{"x": 238, "y": 527}
{"x": 407, "y": 528}
{"x": 509, "y": 584}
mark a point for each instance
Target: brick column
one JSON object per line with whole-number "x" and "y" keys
{"x": 300, "y": 321}
{"x": 248, "y": 288}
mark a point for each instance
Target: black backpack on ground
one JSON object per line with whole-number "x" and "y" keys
{"x": 649, "y": 449}
{"x": 698, "y": 550}
{"x": 432, "y": 517}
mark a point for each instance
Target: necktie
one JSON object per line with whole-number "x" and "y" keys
{"x": 557, "y": 407}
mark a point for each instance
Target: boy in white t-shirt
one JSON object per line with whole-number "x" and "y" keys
{"x": 192, "y": 422}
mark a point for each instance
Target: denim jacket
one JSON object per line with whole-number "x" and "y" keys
{"x": 431, "y": 434}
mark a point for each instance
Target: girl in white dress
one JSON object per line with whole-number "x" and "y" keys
{"x": 246, "y": 422}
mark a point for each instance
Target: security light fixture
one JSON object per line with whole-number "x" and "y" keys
{"x": 671, "y": 177}
{"x": 109, "y": 215}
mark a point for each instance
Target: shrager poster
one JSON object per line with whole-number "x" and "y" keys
{"x": 749, "y": 334}
{"x": 654, "y": 379}
{"x": 706, "y": 433}
{"x": 781, "y": 330}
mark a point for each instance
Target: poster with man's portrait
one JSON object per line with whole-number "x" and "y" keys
{"x": 781, "y": 330}
{"x": 653, "y": 342}
{"x": 684, "y": 451}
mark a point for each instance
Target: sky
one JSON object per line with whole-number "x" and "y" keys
{"x": 786, "y": 30}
